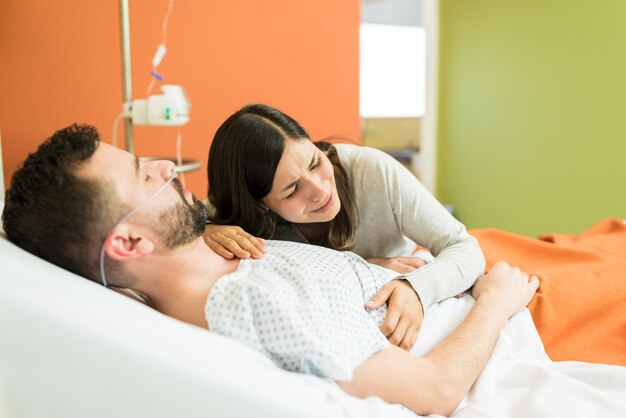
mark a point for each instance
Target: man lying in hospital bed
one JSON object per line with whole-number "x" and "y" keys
{"x": 301, "y": 306}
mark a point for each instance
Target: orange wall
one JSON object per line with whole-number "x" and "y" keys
{"x": 60, "y": 63}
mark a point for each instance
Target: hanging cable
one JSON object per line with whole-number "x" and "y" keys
{"x": 161, "y": 49}
{"x": 170, "y": 7}
{"x": 116, "y": 124}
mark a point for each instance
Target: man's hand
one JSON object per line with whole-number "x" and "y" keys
{"x": 506, "y": 287}
{"x": 404, "y": 312}
{"x": 400, "y": 264}
{"x": 232, "y": 241}
{"x": 446, "y": 373}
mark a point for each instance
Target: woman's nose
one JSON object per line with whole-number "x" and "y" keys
{"x": 316, "y": 189}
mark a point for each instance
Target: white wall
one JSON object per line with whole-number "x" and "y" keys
{"x": 392, "y": 12}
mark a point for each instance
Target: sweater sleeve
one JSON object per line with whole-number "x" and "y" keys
{"x": 458, "y": 257}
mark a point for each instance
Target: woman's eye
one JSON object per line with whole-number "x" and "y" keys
{"x": 317, "y": 164}
{"x": 292, "y": 194}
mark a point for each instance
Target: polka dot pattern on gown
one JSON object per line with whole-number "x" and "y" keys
{"x": 303, "y": 307}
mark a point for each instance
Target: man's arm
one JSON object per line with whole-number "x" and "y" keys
{"x": 437, "y": 382}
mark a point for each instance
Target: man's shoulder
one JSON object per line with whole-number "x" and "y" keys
{"x": 299, "y": 249}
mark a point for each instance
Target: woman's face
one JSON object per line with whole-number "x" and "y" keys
{"x": 304, "y": 189}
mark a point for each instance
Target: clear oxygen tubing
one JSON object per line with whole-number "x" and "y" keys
{"x": 116, "y": 123}
{"x": 125, "y": 217}
{"x": 179, "y": 157}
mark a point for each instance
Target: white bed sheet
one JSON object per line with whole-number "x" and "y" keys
{"x": 70, "y": 348}
{"x": 520, "y": 380}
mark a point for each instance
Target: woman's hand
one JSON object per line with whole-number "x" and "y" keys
{"x": 400, "y": 264}
{"x": 232, "y": 241}
{"x": 506, "y": 288}
{"x": 404, "y": 312}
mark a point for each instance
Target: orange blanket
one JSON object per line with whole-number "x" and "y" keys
{"x": 580, "y": 307}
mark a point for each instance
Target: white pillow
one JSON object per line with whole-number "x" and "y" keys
{"x": 1, "y": 211}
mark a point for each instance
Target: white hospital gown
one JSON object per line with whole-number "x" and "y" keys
{"x": 303, "y": 307}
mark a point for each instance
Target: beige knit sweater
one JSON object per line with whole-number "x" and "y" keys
{"x": 396, "y": 212}
{"x": 392, "y": 205}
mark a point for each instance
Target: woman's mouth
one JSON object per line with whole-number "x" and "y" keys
{"x": 327, "y": 205}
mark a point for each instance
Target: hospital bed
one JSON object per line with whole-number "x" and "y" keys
{"x": 71, "y": 348}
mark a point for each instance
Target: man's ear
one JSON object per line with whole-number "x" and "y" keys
{"x": 125, "y": 244}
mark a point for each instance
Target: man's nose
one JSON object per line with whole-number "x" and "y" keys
{"x": 162, "y": 168}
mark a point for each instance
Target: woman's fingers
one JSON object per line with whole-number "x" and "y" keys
{"x": 404, "y": 312}
{"x": 399, "y": 332}
{"x": 390, "y": 323}
{"x": 251, "y": 244}
{"x": 401, "y": 267}
{"x": 380, "y": 297}
{"x": 232, "y": 241}
{"x": 233, "y": 246}
{"x": 219, "y": 249}
{"x": 414, "y": 261}
{"x": 409, "y": 339}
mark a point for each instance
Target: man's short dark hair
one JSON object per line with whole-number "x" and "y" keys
{"x": 55, "y": 214}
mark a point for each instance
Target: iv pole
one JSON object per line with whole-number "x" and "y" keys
{"x": 127, "y": 91}
{"x": 127, "y": 87}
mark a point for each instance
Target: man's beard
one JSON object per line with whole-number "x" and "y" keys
{"x": 182, "y": 223}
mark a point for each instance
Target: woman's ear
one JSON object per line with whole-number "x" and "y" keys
{"x": 125, "y": 244}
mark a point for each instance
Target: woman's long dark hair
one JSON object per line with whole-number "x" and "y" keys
{"x": 242, "y": 164}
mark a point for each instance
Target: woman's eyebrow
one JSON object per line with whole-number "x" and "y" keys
{"x": 293, "y": 183}
{"x": 289, "y": 186}
{"x": 312, "y": 163}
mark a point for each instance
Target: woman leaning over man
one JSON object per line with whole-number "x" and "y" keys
{"x": 268, "y": 180}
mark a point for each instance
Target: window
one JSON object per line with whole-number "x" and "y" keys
{"x": 392, "y": 70}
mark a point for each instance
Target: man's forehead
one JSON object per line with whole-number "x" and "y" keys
{"x": 107, "y": 158}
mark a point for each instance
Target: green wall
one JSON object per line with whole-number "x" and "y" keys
{"x": 532, "y": 113}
